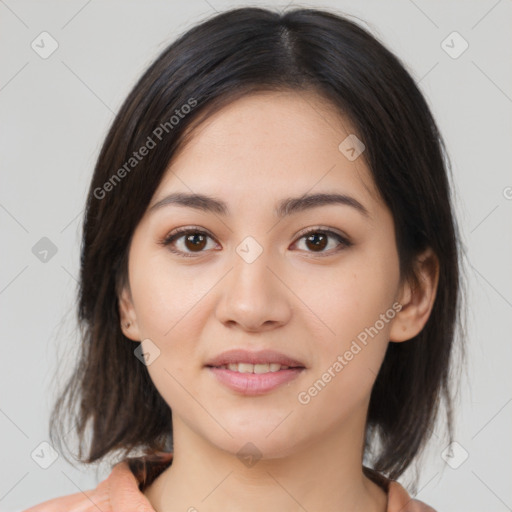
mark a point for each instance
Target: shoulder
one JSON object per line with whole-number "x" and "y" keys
{"x": 118, "y": 492}
{"x": 400, "y": 501}
{"x": 86, "y": 501}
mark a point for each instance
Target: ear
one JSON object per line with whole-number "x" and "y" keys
{"x": 129, "y": 324}
{"x": 417, "y": 297}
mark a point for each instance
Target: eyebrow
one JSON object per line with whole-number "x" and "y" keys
{"x": 288, "y": 206}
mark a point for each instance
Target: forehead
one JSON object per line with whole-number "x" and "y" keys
{"x": 268, "y": 143}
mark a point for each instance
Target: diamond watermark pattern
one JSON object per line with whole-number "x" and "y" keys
{"x": 249, "y": 250}
{"x": 249, "y": 454}
{"x": 44, "y": 455}
{"x": 44, "y": 250}
{"x": 44, "y": 45}
{"x": 454, "y": 45}
{"x": 147, "y": 352}
{"x": 352, "y": 147}
{"x": 454, "y": 455}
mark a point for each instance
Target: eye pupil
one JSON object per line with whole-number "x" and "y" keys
{"x": 317, "y": 244}
{"x": 193, "y": 239}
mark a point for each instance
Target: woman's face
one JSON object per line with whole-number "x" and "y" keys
{"x": 250, "y": 277}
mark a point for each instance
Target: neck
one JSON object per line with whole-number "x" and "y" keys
{"x": 324, "y": 475}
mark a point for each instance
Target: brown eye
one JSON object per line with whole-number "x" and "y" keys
{"x": 195, "y": 241}
{"x": 187, "y": 241}
{"x": 190, "y": 242}
{"x": 317, "y": 240}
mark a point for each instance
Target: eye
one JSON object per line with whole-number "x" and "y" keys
{"x": 194, "y": 241}
{"x": 189, "y": 241}
{"x": 317, "y": 239}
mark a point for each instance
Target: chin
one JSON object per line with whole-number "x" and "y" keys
{"x": 255, "y": 443}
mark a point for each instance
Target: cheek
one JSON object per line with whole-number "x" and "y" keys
{"x": 354, "y": 304}
{"x": 350, "y": 298}
{"x": 166, "y": 296}
{"x": 171, "y": 304}
{"x": 348, "y": 362}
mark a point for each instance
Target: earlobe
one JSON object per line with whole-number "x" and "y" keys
{"x": 127, "y": 315}
{"x": 417, "y": 298}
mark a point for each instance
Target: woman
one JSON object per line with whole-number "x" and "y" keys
{"x": 269, "y": 278}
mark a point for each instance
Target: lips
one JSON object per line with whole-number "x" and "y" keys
{"x": 245, "y": 357}
{"x": 253, "y": 384}
{"x": 253, "y": 368}
{"x": 252, "y": 373}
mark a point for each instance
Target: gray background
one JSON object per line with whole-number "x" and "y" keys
{"x": 55, "y": 113}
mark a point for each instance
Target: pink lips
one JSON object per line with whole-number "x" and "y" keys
{"x": 254, "y": 383}
{"x": 260, "y": 357}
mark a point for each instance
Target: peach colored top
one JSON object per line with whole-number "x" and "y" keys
{"x": 121, "y": 492}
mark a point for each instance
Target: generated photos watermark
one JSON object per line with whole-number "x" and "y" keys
{"x": 361, "y": 341}
{"x": 152, "y": 141}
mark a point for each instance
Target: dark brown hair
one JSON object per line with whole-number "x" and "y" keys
{"x": 230, "y": 55}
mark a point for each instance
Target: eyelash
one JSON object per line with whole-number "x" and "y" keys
{"x": 181, "y": 232}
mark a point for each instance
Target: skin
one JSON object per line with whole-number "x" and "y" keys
{"x": 310, "y": 304}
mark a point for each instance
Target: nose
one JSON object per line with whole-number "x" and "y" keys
{"x": 254, "y": 297}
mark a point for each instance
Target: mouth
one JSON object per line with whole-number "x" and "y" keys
{"x": 251, "y": 373}
{"x": 259, "y": 369}
{"x": 247, "y": 361}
